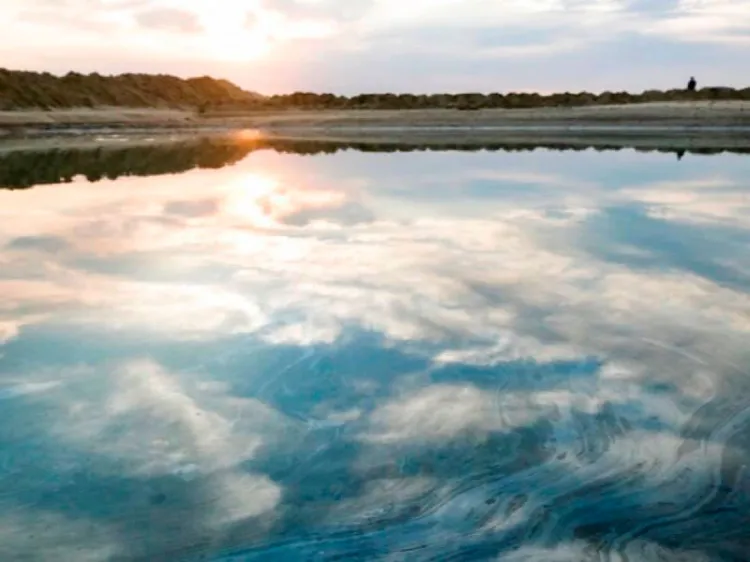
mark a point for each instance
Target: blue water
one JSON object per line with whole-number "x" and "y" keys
{"x": 360, "y": 356}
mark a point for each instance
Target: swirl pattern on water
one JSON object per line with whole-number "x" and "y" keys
{"x": 421, "y": 356}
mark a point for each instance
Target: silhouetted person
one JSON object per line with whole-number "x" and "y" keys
{"x": 692, "y": 84}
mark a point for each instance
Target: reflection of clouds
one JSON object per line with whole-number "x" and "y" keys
{"x": 31, "y": 535}
{"x": 8, "y": 330}
{"x": 198, "y": 438}
{"x": 577, "y": 551}
{"x": 503, "y": 281}
{"x": 26, "y": 388}
{"x": 421, "y": 279}
{"x": 491, "y": 298}
{"x": 719, "y": 199}
{"x": 442, "y": 412}
{"x": 187, "y": 309}
{"x": 580, "y": 551}
{"x": 186, "y": 445}
{"x": 380, "y": 498}
{"x": 160, "y": 234}
{"x": 170, "y": 431}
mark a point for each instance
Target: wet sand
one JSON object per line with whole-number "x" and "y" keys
{"x": 666, "y": 114}
{"x": 657, "y": 125}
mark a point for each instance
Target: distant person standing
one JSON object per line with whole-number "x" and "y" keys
{"x": 692, "y": 84}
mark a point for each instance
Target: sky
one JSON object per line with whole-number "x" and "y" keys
{"x": 420, "y": 46}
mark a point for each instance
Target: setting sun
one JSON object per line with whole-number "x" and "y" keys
{"x": 234, "y": 34}
{"x": 230, "y": 37}
{"x": 237, "y": 46}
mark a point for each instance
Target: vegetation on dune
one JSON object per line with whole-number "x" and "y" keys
{"x": 28, "y": 90}
{"x": 34, "y": 90}
{"x": 25, "y": 169}
{"x": 476, "y": 101}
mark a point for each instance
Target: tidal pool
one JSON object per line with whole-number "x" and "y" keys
{"x": 209, "y": 352}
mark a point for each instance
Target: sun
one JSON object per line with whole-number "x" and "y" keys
{"x": 237, "y": 46}
{"x": 228, "y": 37}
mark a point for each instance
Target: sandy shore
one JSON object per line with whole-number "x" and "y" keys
{"x": 672, "y": 114}
{"x": 308, "y": 144}
{"x": 720, "y": 114}
{"x": 675, "y": 124}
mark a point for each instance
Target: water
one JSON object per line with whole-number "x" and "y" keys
{"x": 236, "y": 355}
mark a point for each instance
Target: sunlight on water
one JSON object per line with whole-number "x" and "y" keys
{"x": 406, "y": 356}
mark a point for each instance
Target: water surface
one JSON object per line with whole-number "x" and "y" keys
{"x": 248, "y": 355}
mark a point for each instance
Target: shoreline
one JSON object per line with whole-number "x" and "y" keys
{"x": 678, "y": 125}
{"x": 436, "y": 139}
{"x": 51, "y": 161}
{"x": 660, "y": 114}
{"x": 322, "y": 142}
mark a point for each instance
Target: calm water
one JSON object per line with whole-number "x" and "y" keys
{"x": 492, "y": 355}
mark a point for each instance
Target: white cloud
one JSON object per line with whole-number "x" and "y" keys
{"x": 170, "y": 19}
{"x": 706, "y": 21}
{"x": 336, "y": 45}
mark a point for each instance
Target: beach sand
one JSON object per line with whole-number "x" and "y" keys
{"x": 724, "y": 113}
{"x": 653, "y": 125}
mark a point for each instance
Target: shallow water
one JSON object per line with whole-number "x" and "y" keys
{"x": 360, "y": 356}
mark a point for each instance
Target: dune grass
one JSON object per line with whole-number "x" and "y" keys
{"x": 33, "y": 90}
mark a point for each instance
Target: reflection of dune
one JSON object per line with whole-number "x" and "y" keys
{"x": 23, "y": 169}
{"x": 29, "y": 168}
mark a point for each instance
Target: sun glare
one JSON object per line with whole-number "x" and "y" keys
{"x": 245, "y": 198}
{"x": 237, "y": 46}
{"x": 228, "y": 36}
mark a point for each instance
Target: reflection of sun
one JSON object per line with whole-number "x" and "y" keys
{"x": 261, "y": 201}
{"x": 245, "y": 198}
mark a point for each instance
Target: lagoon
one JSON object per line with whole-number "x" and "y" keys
{"x": 215, "y": 353}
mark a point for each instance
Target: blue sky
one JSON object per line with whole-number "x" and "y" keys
{"x": 348, "y": 46}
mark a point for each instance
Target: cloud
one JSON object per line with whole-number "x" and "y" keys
{"x": 182, "y": 21}
{"x": 707, "y": 21}
{"x": 320, "y": 9}
{"x": 385, "y": 45}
